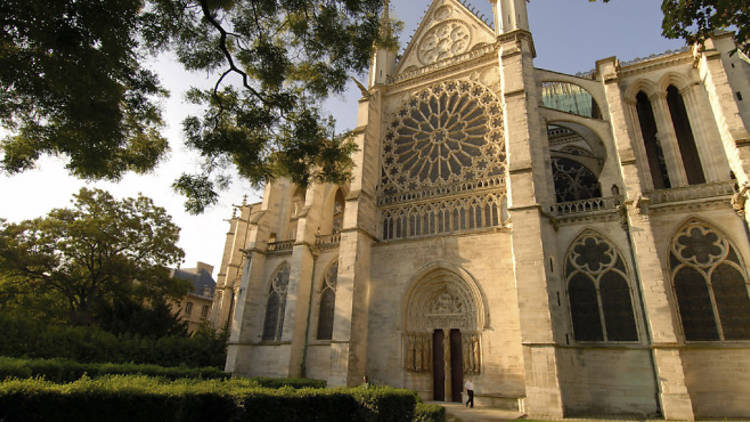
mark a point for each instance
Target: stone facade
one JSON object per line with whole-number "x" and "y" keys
{"x": 574, "y": 244}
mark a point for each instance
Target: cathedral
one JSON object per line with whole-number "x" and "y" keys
{"x": 573, "y": 244}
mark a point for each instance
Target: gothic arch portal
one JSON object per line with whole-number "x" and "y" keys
{"x": 427, "y": 292}
{"x": 444, "y": 313}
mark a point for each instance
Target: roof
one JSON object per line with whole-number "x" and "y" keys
{"x": 202, "y": 281}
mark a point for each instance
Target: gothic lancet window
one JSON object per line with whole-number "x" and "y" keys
{"x": 711, "y": 285}
{"x": 600, "y": 300}
{"x": 685, "y": 139}
{"x": 327, "y": 302}
{"x": 273, "y": 326}
{"x": 654, "y": 153}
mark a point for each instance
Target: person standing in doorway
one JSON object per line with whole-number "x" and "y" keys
{"x": 469, "y": 386}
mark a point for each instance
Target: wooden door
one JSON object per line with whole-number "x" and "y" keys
{"x": 438, "y": 366}
{"x": 457, "y": 366}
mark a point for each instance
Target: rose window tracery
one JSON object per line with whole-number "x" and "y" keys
{"x": 445, "y": 134}
{"x": 445, "y": 40}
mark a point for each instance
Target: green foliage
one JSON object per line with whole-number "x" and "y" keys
{"x": 122, "y": 398}
{"x": 429, "y": 413}
{"x": 696, "y": 20}
{"x": 99, "y": 258}
{"x": 72, "y": 84}
{"x": 33, "y": 339}
{"x": 64, "y": 370}
{"x": 268, "y": 382}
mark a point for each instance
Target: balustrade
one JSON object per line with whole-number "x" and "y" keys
{"x": 281, "y": 246}
{"x": 693, "y": 192}
{"x": 327, "y": 241}
{"x": 582, "y": 206}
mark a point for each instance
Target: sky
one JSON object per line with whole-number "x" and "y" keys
{"x": 569, "y": 36}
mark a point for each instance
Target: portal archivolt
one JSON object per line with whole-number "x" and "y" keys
{"x": 443, "y": 317}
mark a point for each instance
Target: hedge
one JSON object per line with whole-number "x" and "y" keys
{"x": 429, "y": 413}
{"x": 63, "y": 370}
{"x": 120, "y": 398}
{"x": 33, "y": 339}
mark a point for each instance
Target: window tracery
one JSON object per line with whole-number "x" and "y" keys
{"x": 573, "y": 180}
{"x": 445, "y": 134}
{"x": 443, "y": 163}
{"x": 447, "y": 215}
{"x": 444, "y": 40}
{"x": 328, "y": 302}
{"x": 273, "y": 325}
{"x": 710, "y": 283}
{"x": 599, "y": 292}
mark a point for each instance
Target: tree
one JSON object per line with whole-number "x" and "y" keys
{"x": 72, "y": 83}
{"x": 696, "y": 20}
{"x": 101, "y": 254}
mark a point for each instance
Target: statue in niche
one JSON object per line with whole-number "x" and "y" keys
{"x": 426, "y": 352}
{"x": 418, "y": 364}
{"x": 475, "y": 344}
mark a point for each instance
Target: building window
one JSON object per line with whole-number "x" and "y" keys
{"x": 710, "y": 283}
{"x": 685, "y": 139}
{"x": 600, "y": 298}
{"x": 204, "y": 312}
{"x": 273, "y": 325}
{"x": 654, "y": 154}
{"x": 188, "y": 308}
{"x": 573, "y": 180}
{"x": 327, "y": 302}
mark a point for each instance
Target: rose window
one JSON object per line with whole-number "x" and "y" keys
{"x": 449, "y": 133}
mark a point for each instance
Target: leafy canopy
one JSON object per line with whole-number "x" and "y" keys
{"x": 72, "y": 83}
{"x": 696, "y": 20}
{"x": 96, "y": 259}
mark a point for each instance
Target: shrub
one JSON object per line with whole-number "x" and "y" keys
{"x": 26, "y": 338}
{"x": 290, "y": 382}
{"x": 63, "y": 370}
{"x": 429, "y": 413}
{"x": 128, "y": 398}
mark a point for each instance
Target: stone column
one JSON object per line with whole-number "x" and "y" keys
{"x": 734, "y": 136}
{"x": 349, "y": 342}
{"x": 712, "y": 161}
{"x": 668, "y": 140}
{"x": 301, "y": 278}
{"x": 532, "y": 236}
{"x": 662, "y": 325}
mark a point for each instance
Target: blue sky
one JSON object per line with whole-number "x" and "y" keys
{"x": 569, "y": 35}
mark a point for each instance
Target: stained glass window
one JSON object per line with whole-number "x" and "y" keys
{"x": 328, "y": 303}
{"x": 710, "y": 282}
{"x": 600, "y": 298}
{"x": 273, "y": 325}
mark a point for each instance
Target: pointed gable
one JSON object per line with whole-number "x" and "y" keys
{"x": 447, "y": 30}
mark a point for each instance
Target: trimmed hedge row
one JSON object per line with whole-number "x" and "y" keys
{"x": 127, "y": 398}
{"x": 429, "y": 413}
{"x": 34, "y": 339}
{"x": 63, "y": 370}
